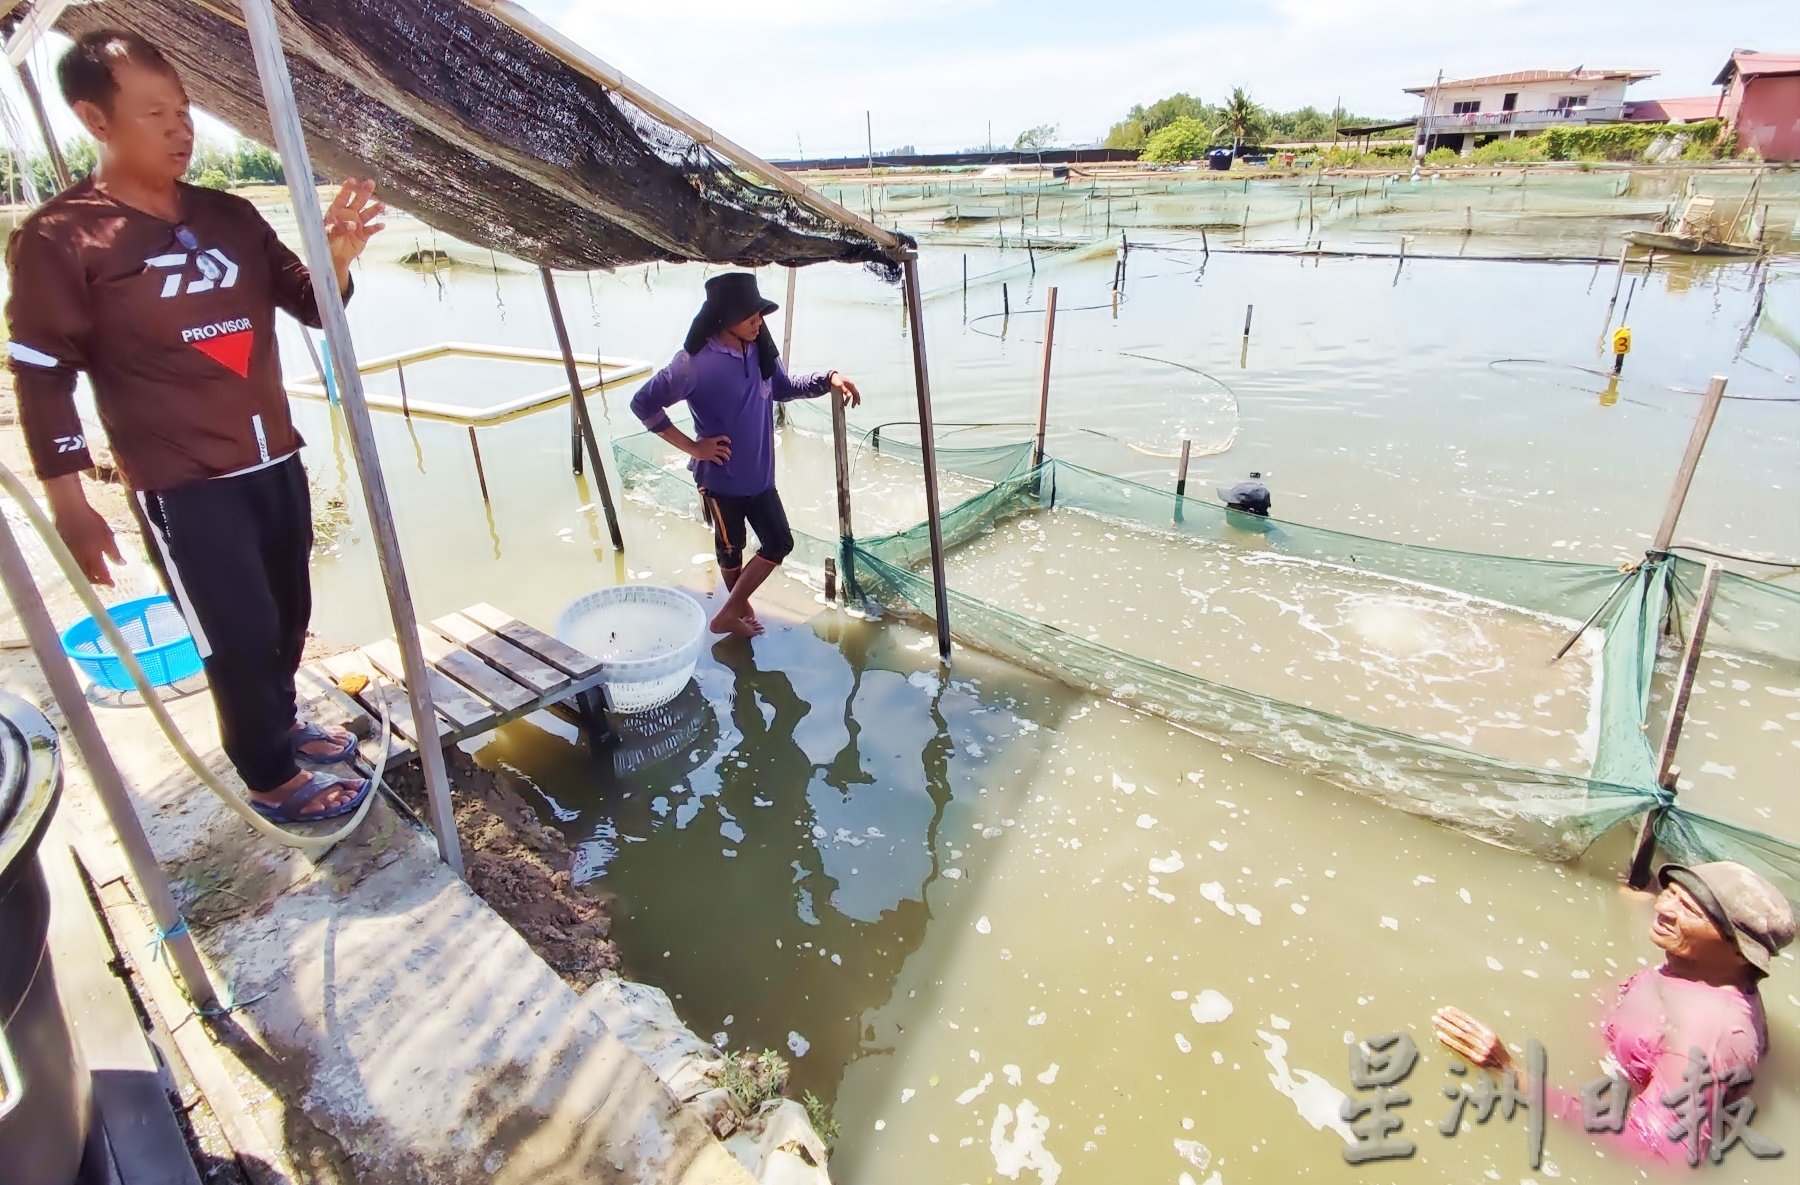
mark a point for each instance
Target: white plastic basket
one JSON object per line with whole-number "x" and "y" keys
{"x": 648, "y": 637}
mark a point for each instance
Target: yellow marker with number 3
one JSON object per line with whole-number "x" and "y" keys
{"x": 1621, "y": 340}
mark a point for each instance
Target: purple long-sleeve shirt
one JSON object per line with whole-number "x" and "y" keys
{"x": 724, "y": 389}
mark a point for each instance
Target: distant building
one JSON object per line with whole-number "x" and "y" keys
{"x": 1466, "y": 113}
{"x": 1759, "y": 99}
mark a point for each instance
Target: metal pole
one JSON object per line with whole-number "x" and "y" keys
{"x": 1181, "y": 474}
{"x": 57, "y": 164}
{"x": 928, "y": 442}
{"x": 579, "y": 398}
{"x": 1684, "y": 477}
{"x": 1249, "y": 311}
{"x": 1618, "y": 281}
{"x": 78, "y": 717}
{"x": 290, "y": 143}
{"x": 1044, "y": 387}
{"x": 1639, "y": 875}
{"x": 840, "y": 447}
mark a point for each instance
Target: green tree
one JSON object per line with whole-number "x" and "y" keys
{"x": 1036, "y": 139}
{"x": 213, "y": 179}
{"x": 1185, "y": 139}
{"x": 1127, "y": 133}
{"x": 257, "y": 163}
{"x": 1242, "y": 119}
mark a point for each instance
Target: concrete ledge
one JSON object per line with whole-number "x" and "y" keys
{"x": 386, "y": 1005}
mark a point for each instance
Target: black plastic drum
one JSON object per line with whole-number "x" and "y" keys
{"x": 45, "y": 1097}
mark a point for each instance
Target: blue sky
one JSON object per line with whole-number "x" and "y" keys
{"x": 933, "y": 72}
{"x": 787, "y": 74}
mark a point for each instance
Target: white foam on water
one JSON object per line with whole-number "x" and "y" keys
{"x": 907, "y": 1094}
{"x": 1124, "y": 787}
{"x": 1494, "y": 964}
{"x": 1194, "y": 1152}
{"x": 1024, "y": 1149}
{"x": 1146, "y": 822}
{"x": 1014, "y": 1076}
{"x": 1036, "y": 1018}
{"x": 1388, "y": 923}
{"x": 974, "y": 1092}
{"x": 797, "y": 1044}
{"x": 1167, "y": 864}
{"x": 1214, "y": 892}
{"x": 1210, "y": 1007}
{"x": 983, "y": 926}
{"x": 1317, "y": 1100}
{"x": 1049, "y": 1076}
{"x": 1183, "y": 1044}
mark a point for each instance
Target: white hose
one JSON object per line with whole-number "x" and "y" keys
{"x": 312, "y": 845}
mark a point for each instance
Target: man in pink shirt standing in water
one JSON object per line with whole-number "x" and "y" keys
{"x": 1719, "y": 926}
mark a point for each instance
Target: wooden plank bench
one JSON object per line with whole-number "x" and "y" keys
{"x": 486, "y": 668}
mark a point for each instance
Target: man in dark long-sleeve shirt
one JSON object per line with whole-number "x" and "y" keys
{"x": 730, "y": 376}
{"x": 165, "y": 296}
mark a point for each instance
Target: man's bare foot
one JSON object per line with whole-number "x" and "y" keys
{"x": 741, "y": 624}
{"x": 336, "y": 796}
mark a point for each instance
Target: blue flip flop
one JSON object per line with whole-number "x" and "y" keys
{"x": 292, "y": 809}
{"x": 310, "y": 733}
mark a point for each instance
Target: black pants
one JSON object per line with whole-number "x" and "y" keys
{"x": 765, "y": 515}
{"x": 235, "y": 555}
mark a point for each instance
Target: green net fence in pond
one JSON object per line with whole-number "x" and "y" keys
{"x": 1423, "y": 732}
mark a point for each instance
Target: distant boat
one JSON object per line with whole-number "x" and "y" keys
{"x": 1688, "y": 244}
{"x": 1701, "y": 231}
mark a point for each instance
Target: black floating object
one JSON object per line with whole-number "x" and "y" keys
{"x": 1250, "y": 496}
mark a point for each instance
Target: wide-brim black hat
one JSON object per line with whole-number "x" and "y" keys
{"x": 729, "y": 299}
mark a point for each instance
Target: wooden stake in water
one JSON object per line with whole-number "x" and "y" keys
{"x": 1618, "y": 281}
{"x": 787, "y": 337}
{"x": 579, "y": 397}
{"x": 1005, "y": 302}
{"x": 1044, "y": 387}
{"x": 928, "y": 460}
{"x": 840, "y": 450}
{"x": 1638, "y": 876}
{"x": 405, "y": 405}
{"x": 1249, "y": 311}
{"x": 1690, "y": 461}
{"x": 1181, "y": 474}
{"x": 1205, "y": 248}
{"x": 480, "y": 473}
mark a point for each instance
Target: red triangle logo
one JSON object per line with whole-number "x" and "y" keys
{"x": 230, "y": 350}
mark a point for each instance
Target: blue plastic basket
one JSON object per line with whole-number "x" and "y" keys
{"x": 158, "y": 636}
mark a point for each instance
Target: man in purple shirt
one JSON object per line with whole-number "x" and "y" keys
{"x": 729, "y": 374}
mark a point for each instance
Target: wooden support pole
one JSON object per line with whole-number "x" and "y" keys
{"x": 787, "y": 336}
{"x": 480, "y": 473}
{"x": 1181, "y": 474}
{"x": 579, "y": 398}
{"x": 928, "y": 444}
{"x": 831, "y": 581}
{"x": 1690, "y": 461}
{"x": 405, "y": 404}
{"x": 78, "y": 718}
{"x": 1205, "y": 247}
{"x": 290, "y": 144}
{"x": 58, "y": 166}
{"x": 1005, "y": 301}
{"x": 1043, "y": 421}
{"x": 1638, "y": 876}
{"x": 840, "y": 449}
{"x": 1618, "y": 281}
{"x": 1249, "y": 310}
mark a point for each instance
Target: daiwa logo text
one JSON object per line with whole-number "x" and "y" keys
{"x": 215, "y": 267}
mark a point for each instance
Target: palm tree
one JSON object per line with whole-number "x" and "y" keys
{"x": 1241, "y": 117}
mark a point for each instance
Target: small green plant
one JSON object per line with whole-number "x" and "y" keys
{"x": 1505, "y": 152}
{"x": 818, "y": 1113}
{"x": 213, "y": 179}
{"x": 1443, "y": 156}
{"x": 753, "y": 1078}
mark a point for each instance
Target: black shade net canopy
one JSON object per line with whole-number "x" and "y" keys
{"x": 475, "y": 118}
